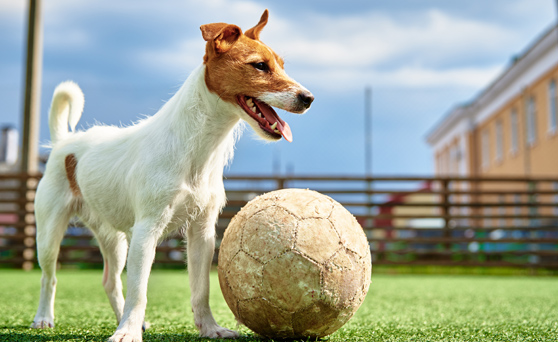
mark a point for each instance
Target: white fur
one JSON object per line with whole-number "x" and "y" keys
{"x": 137, "y": 184}
{"x": 286, "y": 100}
{"x": 69, "y": 105}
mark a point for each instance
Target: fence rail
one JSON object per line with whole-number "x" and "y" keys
{"x": 496, "y": 221}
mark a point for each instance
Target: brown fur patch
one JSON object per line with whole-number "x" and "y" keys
{"x": 254, "y": 32}
{"x": 71, "y": 163}
{"x": 231, "y": 72}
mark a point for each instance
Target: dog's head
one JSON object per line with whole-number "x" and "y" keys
{"x": 242, "y": 70}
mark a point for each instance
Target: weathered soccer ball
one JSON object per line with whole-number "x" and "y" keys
{"x": 294, "y": 264}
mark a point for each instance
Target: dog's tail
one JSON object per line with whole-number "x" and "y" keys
{"x": 65, "y": 109}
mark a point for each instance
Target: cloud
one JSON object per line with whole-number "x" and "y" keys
{"x": 419, "y": 48}
{"x": 470, "y": 77}
{"x": 343, "y": 80}
{"x": 180, "y": 57}
{"x": 431, "y": 48}
{"x": 63, "y": 38}
{"x": 375, "y": 39}
{"x": 9, "y": 8}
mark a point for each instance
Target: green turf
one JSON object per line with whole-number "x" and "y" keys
{"x": 397, "y": 308}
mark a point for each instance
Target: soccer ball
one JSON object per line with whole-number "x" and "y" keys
{"x": 294, "y": 264}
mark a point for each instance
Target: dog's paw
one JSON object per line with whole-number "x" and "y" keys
{"x": 123, "y": 336}
{"x": 42, "y": 323}
{"x": 216, "y": 331}
{"x": 145, "y": 325}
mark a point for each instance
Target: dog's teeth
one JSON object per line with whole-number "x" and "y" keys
{"x": 274, "y": 126}
{"x": 260, "y": 115}
{"x": 250, "y": 103}
{"x": 276, "y": 131}
{"x": 253, "y": 108}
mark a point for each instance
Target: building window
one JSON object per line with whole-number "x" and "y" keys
{"x": 485, "y": 149}
{"x": 455, "y": 159}
{"x": 499, "y": 141}
{"x": 552, "y": 107}
{"x": 531, "y": 121}
{"x": 444, "y": 163}
{"x": 514, "y": 130}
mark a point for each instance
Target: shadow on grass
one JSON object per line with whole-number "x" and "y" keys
{"x": 25, "y": 334}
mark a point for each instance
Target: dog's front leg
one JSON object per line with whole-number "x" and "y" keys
{"x": 140, "y": 258}
{"x": 201, "y": 246}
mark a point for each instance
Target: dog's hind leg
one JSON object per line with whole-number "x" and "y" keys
{"x": 52, "y": 217}
{"x": 201, "y": 247}
{"x": 114, "y": 248}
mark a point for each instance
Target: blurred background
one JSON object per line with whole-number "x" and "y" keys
{"x": 421, "y": 58}
{"x": 434, "y": 121}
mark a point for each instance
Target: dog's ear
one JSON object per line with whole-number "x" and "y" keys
{"x": 254, "y": 32}
{"x": 222, "y": 35}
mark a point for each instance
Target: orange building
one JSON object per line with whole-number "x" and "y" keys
{"x": 510, "y": 129}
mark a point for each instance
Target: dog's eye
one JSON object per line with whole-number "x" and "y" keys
{"x": 261, "y": 66}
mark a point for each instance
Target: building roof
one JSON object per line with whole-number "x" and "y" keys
{"x": 519, "y": 63}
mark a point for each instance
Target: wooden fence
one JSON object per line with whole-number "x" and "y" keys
{"x": 408, "y": 220}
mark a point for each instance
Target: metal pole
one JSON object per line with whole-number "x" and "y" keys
{"x": 30, "y": 128}
{"x": 31, "y": 105}
{"x": 368, "y": 131}
{"x": 368, "y": 147}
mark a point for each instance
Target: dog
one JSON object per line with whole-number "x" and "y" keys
{"x": 133, "y": 185}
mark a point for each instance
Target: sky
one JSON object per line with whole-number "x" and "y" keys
{"x": 421, "y": 59}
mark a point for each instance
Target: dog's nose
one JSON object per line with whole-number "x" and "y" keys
{"x": 306, "y": 98}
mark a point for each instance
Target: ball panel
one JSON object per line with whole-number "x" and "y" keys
{"x": 350, "y": 231}
{"x": 342, "y": 283}
{"x": 343, "y": 317}
{"x": 269, "y": 233}
{"x": 366, "y": 278}
{"x": 251, "y": 313}
{"x": 315, "y": 321}
{"x": 280, "y": 321}
{"x": 342, "y": 260}
{"x": 264, "y": 319}
{"x": 257, "y": 204}
{"x": 317, "y": 239}
{"x": 227, "y": 292}
{"x": 291, "y": 281}
{"x": 244, "y": 276}
{"x": 305, "y": 203}
{"x": 230, "y": 244}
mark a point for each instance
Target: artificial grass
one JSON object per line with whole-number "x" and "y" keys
{"x": 397, "y": 308}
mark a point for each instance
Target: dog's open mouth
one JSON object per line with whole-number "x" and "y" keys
{"x": 266, "y": 117}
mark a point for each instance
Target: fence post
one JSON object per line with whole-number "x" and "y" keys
{"x": 370, "y": 198}
{"x": 533, "y": 224}
{"x": 26, "y": 214}
{"x": 445, "y": 206}
{"x": 280, "y": 183}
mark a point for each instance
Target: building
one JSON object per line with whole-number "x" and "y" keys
{"x": 9, "y": 149}
{"x": 510, "y": 129}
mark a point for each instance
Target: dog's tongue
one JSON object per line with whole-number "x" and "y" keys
{"x": 272, "y": 117}
{"x": 286, "y": 131}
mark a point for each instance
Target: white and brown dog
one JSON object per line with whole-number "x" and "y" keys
{"x": 131, "y": 186}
